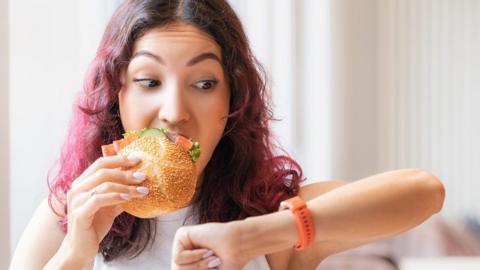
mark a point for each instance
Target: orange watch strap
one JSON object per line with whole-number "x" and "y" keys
{"x": 303, "y": 219}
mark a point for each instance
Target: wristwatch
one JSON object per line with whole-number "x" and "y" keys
{"x": 304, "y": 220}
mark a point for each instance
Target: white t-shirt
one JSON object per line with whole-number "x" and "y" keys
{"x": 158, "y": 256}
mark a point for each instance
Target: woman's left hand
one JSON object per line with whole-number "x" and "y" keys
{"x": 221, "y": 238}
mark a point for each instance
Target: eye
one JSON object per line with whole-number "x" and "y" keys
{"x": 147, "y": 83}
{"x": 206, "y": 84}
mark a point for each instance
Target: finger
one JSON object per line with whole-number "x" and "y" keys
{"x": 109, "y": 187}
{"x": 192, "y": 256}
{"x": 94, "y": 203}
{"x": 133, "y": 191}
{"x": 112, "y": 175}
{"x": 109, "y": 162}
{"x": 212, "y": 262}
{"x": 181, "y": 241}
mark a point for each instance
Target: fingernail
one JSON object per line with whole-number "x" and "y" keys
{"x": 133, "y": 158}
{"x": 143, "y": 190}
{"x": 214, "y": 263}
{"x": 139, "y": 176}
{"x": 124, "y": 196}
{"x": 207, "y": 254}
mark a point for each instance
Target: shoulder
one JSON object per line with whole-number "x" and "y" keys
{"x": 40, "y": 239}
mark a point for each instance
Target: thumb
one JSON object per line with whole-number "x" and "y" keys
{"x": 182, "y": 239}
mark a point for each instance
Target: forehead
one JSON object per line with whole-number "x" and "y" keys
{"x": 177, "y": 39}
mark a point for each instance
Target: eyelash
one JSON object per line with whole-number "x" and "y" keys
{"x": 212, "y": 82}
{"x": 157, "y": 83}
{"x": 140, "y": 82}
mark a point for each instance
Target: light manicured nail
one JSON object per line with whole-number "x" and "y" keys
{"x": 139, "y": 176}
{"x": 207, "y": 254}
{"x": 133, "y": 158}
{"x": 143, "y": 190}
{"x": 214, "y": 263}
{"x": 124, "y": 196}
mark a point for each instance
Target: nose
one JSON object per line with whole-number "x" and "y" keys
{"x": 174, "y": 107}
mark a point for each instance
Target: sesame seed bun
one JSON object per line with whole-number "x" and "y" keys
{"x": 171, "y": 176}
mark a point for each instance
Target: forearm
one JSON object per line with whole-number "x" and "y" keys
{"x": 64, "y": 259}
{"x": 372, "y": 208}
{"x": 377, "y": 207}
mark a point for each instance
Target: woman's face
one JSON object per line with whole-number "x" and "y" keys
{"x": 175, "y": 80}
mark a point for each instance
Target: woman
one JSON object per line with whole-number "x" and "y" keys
{"x": 186, "y": 66}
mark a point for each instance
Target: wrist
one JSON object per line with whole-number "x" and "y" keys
{"x": 63, "y": 260}
{"x": 267, "y": 233}
{"x": 71, "y": 259}
{"x": 74, "y": 262}
{"x": 304, "y": 220}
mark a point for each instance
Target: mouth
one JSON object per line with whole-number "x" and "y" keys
{"x": 172, "y": 135}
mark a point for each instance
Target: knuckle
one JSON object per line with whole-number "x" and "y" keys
{"x": 181, "y": 231}
{"x": 104, "y": 187}
{"x": 102, "y": 173}
{"x": 98, "y": 163}
{"x": 101, "y": 161}
{"x": 132, "y": 189}
{"x": 128, "y": 174}
{"x": 94, "y": 200}
{"x": 122, "y": 176}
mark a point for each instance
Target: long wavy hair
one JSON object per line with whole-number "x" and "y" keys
{"x": 244, "y": 177}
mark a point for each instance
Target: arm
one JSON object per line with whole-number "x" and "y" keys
{"x": 279, "y": 260}
{"x": 93, "y": 204}
{"x": 40, "y": 241}
{"x": 370, "y": 209}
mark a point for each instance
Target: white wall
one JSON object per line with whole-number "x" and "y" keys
{"x": 430, "y": 93}
{"x": 51, "y": 45}
{"x": 354, "y": 88}
{"x": 4, "y": 139}
{"x": 322, "y": 57}
{"x": 292, "y": 40}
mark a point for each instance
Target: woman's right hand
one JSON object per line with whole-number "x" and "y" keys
{"x": 93, "y": 203}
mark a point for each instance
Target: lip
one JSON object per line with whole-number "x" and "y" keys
{"x": 181, "y": 134}
{"x": 178, "y": 134}
{"x": 175, "y": 134}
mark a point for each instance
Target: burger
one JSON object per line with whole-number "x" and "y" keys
{"x": 168, "y": 160}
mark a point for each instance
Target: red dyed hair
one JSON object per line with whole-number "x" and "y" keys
{"x": 244, "y": 176}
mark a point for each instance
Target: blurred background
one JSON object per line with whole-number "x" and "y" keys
{"x": 360, "y": 86}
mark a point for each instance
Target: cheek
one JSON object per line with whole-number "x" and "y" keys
{"x": 212, "y": 122}
{"x": 133, "y": 111}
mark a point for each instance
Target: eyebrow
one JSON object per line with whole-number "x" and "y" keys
{"x": 193, "y": 61}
